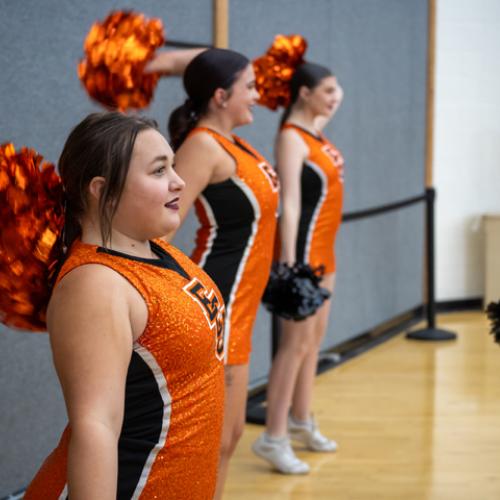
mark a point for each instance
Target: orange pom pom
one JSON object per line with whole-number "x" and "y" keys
{"x": 116, "y": 52}
{"x": 31, "y": 211}
{"x": 275, "y": 68}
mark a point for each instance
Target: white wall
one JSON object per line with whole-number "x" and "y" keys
{"x": 466, "y": 140}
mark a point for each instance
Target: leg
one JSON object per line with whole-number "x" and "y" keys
{"x": 296, "y": 341}
{"x": 302, "y": 394}
{"x": 274, "y": 445}
{"x": 236, "y": 378}
{"x": 301, "y": 425}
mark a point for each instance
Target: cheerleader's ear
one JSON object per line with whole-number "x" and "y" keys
{"x": 220, "y": 98}
{"x": 96, "y": 186}
{"x": 304, "y": 93}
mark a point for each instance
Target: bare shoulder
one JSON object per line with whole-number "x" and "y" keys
{"x": 202, "y": 145}
{"x": 291, "y": 138}
{"x": 203, "y": 149}
{"x": 291, "y": 149}
{"x": 87, "y": 291}
{"x": 89, "y": 279}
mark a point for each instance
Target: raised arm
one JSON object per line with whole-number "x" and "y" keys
{"x": 199, "y": 162}
{"x": 91, "y": 337}
{"x": 172, "y": 62}
{"x": 290, "y": 154}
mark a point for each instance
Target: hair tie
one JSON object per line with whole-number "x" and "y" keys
{"x": 116, "y": 51}
{"x": 190, "y": 106}
{"x": 274, "y": 70}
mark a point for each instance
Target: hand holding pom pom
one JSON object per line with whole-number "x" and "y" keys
{"x": 31, "y": 211}
{"x": 294, "y": 292}
{"x": 116, "y": 53}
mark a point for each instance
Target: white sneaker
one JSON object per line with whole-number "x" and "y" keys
{"x": 308, "y": 434}
{"x": 279, "y": 454}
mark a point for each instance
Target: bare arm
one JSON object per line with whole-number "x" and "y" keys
{"x": 199, "y": 162}
{"x": 172, "y": 62}
{"x": 290, "y": 154}
{"x": 91, "y": 338}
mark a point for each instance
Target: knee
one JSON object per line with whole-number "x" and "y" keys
{"x": 300, "y": 346}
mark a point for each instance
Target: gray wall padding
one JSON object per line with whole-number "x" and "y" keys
{"x": 377, "y": 49}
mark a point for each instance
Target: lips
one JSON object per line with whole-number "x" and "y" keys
{"x": 174, "y": 204}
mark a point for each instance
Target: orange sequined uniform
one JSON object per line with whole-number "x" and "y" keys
{"x": 235, "y": 241}
{"x": 322, "y": 187}
{"x": 174, "y": 395}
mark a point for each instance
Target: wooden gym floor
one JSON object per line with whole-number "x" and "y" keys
{"x": 413, "y": 420}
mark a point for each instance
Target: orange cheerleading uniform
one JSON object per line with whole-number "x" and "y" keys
{"x": 322, "y": 187}
{"x": 235, "y": 240}
{"x": 174, "y": 395}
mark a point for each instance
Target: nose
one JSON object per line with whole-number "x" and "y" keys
{"x": 176, "y": 183}
{"x": 256, "y": 94}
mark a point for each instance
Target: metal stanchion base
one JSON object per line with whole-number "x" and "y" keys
{"x": 433, "y": 334}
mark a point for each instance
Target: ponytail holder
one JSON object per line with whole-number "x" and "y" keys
{"x": 274, "y": 70}
{"x": 116, "y": 52}
{"x": 191, "y": 109}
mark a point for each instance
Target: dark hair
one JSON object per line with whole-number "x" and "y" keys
{"x": 100, "y": 145}
{"x": 207, "y": 72}
{"x": 306, "y": 75}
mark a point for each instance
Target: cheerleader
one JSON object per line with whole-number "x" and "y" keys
{"x": 136, "y": 328}
{"x": 310, "y": 170}
{"x": 235, "y": 194}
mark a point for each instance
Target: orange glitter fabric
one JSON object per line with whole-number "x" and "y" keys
{"x": 116, "y": 52}
{"x": 323, "y": 228}
{"x": 31, "y": 211}
{"x": 219, "y": 241}
{"x": 174, "y": 396}
{"x": 275, "y": 68}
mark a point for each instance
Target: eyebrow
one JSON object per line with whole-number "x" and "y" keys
{"x": 160, "y": 158}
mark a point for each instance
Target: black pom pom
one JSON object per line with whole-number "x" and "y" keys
{"x": 294, "y": 292}
{"x": 493, "y": 312}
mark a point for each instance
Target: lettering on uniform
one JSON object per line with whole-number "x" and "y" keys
{"x": 213, "y": 310}
{"x": 337, "y": 158}
{"x": 271, "y": 175}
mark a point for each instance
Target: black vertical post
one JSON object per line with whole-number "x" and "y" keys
{"x": 431, "y": 332}
{"x": 431, "y": 299}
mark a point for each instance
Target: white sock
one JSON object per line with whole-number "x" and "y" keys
{"x": 302, "y": 423}
{"x": 274, "y": 439}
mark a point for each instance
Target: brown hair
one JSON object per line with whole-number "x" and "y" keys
{"x": 100, "y": 145}
{"x": 207, "y": 72}
{"x": 308, "y": 75}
